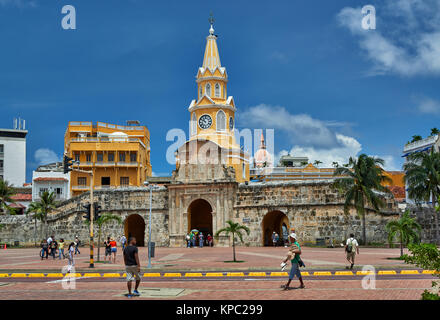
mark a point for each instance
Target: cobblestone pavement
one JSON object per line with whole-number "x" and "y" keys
{"x": 205, "y": 259}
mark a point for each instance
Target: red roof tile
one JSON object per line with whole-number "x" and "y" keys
{"x": 49, "y": 179}
{"x": 22, "y": 197}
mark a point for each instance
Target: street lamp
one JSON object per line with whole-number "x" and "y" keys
{"x": 146, "y": 183}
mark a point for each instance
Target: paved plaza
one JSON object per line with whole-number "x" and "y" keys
{"x": 253, "y": 278}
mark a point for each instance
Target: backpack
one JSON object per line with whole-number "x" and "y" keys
{"x": 349, "y": 247}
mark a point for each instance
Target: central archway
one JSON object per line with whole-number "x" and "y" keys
{"x": 200, "y": 216}
{"x": 134, "y": 226}
{"x": 274, "y": 221}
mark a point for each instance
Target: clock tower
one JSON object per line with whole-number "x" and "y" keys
{"x": 212, "y": 114}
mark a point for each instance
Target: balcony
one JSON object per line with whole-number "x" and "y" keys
{"x": 105, "y": 164}
{"x": 127, "y": 164}
{"x": 427, "y": 142}
{"x": 80, "y": 187}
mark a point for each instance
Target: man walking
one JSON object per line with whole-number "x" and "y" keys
{"x": 294, "y": 254}
{"x": 132, "y": 266}
{"x": 123, "y": 241}
{"x": 77, "y": 243}
{"x": 351, "y": 247}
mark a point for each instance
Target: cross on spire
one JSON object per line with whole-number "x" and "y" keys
{"x": 211, "y": 21}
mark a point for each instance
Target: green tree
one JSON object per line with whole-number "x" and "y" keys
{"x": 45, "y": 205}
{"x": 335, "y": 164}
{"x": 416, "y": 138}
{"x": 406, "y": 229}
{"x": 234, "y": 229}
{"x": 434, "y": 131}
{"x": 317, "y": 163}
{"x": 422, "y": 179}
{"x": 303, "y": 163}
{"x": 361, "y": 185}
{"x": 426, "y": 256}
{"x": 37, "y": 215}
{"x": 6, "y": 194}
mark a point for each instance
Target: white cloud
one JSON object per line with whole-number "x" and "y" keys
{"x": 406, "y": 40}
{"x": 428, "y": 106}
{"x": 300, "y": 127}
{"x": 45, "y": 156}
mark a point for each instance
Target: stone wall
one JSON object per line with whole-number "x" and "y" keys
{"x": 425, "y": 216}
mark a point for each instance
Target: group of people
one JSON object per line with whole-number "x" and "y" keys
{"x": 111, "y": 247}
{"x": 194, "y": 237}
{"x": 277, "y": 241}
{"x": 51, "y": 247}
{"x": 294, "y": 255}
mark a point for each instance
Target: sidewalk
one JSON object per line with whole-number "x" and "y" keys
{"x": 204, "y": 259}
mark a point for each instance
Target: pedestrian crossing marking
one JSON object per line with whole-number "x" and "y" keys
{"x": 214, "y": 274}
{"x": 151, "y": 274}
{"x": 18, "y": 275}
{"x": 343, "y": 273}
{"x": 235, "y": 274}
{"x": 364, "y": 273}
{"x": 178, "y": 274}
{"x": 73, "y": 275}
{"x": 55, "y": 275}
{"x": 387, "y": 272}
{"x": 193, "y": 275}
{"x": 257, "y": 274}
{"x": 4, "y": 275}
{"x": 92, "y": 275}
{"x": 428, "y": 271}
{"x": 278, "y": 274}
{"x": 409, "y": 272}
{"x": 111, "y": 275}
{"x": 36, "y": 275}
{"x": 322, "y": 273}
{"x": 304, "y": 273}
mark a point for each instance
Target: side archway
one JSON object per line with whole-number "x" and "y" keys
{"x": 134, "y": 226}
{"x": 274, "y": 221}
{"x": 200, "y": 217}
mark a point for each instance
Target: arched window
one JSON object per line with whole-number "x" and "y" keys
{"x": 217, "y": 90}
{"x": 193, "y": 124}
{"x": 243, "y": 170}
{"x": 208, "y": 90}
{"x": 221, "y": 121}
{"x": 201, "y": 92}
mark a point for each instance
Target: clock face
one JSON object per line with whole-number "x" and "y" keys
{"x": 231, "y": 123}
{"x": 205, "y": 121}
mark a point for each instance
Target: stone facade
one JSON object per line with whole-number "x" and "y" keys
{"x": 313, "y": 208}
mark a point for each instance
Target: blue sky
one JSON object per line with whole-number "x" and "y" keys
{"x": 306, "y": 69}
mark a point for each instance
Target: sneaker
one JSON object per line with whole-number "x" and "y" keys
{"x": 136, "y": 293}
{"x": 129, "y": 295}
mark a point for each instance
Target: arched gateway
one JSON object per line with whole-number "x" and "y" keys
{"x": 274, "y": 221}
{"x": 134, "y": 226}
{"x": 200, "y": 216}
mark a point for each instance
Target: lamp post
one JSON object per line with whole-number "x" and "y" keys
{"x": 146, "y": 183}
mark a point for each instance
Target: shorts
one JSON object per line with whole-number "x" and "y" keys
{"x": 351, "y": 255}
{"x": 114, "y": 249}
{"x": 132, "y": 273}
{"x": 294, "y": 271}
{"x": 108, "y": 252}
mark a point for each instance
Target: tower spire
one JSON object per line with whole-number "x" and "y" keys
{"x": 211, "y": 59}
{"x": 211, "y": 22}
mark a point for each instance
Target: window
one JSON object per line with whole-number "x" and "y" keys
{"x": 193, "y": 124}
{"x": 200, "y": 91}
{"x": 59, "y": 191}
{"x": 133, "y": 157}
{"x": 111, "y": 157}
{"x": 77, "y": 157}
{"x": 43, "y": 190}
{"x": 221, "y": 121}
{"x": 2, "y": 148}
{"x": 105, "y": 181}
{"x": 208, "y": 90}
{"x": 82, "y": 181}
{"x": 100, "y": 157}
{"x": 88, "y": 157}
{"x": 121, "y": 156}
{"x": 244, "y": 170}
{"x": 125, "y": 181}
{"x": 217, "y": 90}
{"x": 1, "y": 164}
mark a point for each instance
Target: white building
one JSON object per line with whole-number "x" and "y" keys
{"x": 51, "y": 178}
{"x": 13, "y": 155}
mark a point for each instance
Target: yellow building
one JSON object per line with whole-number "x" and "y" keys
{"x": 212, "y": 117}
{"x": 117, "y": 155}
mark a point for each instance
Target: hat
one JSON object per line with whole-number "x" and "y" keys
{"x": 293, "y": 235}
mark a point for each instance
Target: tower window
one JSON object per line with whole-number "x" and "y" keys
{"x": 193, "y": 124}
{"x": 201, "y": 92}
{"x": 217, "y": 90}
{"x": 221, "y": 121}
{"x": 208, "y": 90}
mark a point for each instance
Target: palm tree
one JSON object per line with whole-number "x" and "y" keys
{"x": 106, "y": 217}
{"x": 45, "y": 205}
{"x": 6, "y": 193}
{"x": 422, "y": 178}
{"x": 335, "y": 164}
{"x": 35, "y": 209}
{"x": 235, "y": 229}
{"x": 434, "y": 131}
{"x": 416, "y": 138}
{"x": 362, "y": 185}
{"x": 304, "y": 163}
{"x": 407, "y": 229}
{"x": 317, "y": 163}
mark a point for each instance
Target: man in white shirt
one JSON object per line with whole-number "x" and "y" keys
{"x": 351, "y": 247}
